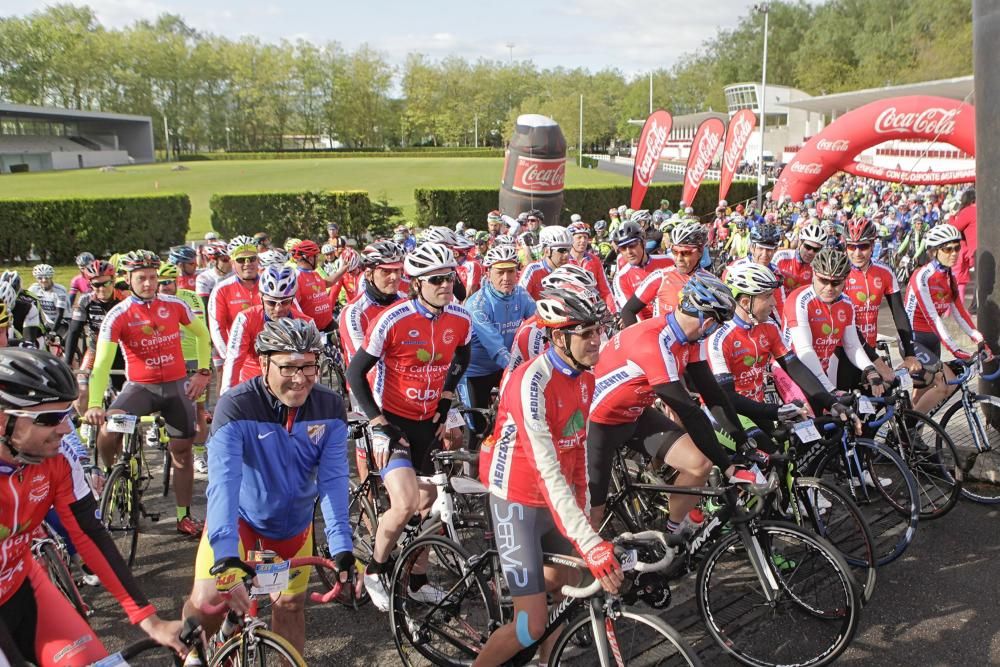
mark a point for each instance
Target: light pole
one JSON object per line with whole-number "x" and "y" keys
{"x": 651, "y": 93}
{"x": 228, "y": 129}
{"x": 510, "y": 54}
{"x": 762, "y": 7}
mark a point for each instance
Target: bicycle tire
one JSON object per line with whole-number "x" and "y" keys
{"x": 60, "y": 575}
{"x": 980, "y": 483}
{"x": 417, "y": 624}
{"x": 120, "y": 512}
{"x": 932, "y": 459}
{"x": 842, "y": 525}
{"x": 671, "y": 649}
{"x": 165, "y": 474}
{"x": 231, "y": 653}
{"x": 730, "y": 608}
{"x": 148, "y": 652}
{"x": 363, "y": 524}
{"x": 892, "y": 512}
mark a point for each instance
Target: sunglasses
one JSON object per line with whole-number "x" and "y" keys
{"x": 103, "y": 283}
{"x": 811, "y": 248}
{"x": 275, "y": 303}
{"x": 246, "y": 260}
{"x": 685, "y": 252}
{"x": 859, "y": 246}
{"x": 167, "y": 282}
{"x": 309, "y": 370}
{"x": 954, "y": 247}
{"x": 47, "y": 418}
{"x": 629, "y": 246}
{"x": 586, "y": 333}
{"x": 561, "y": 251}
{"x": 831, "y": 282}
{"x": 441, "y": 279}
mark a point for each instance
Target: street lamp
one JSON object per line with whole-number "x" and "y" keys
{"x": 762, "y": 7}
{"x": 510, "y": 55}
{"x": 228, "y": 129}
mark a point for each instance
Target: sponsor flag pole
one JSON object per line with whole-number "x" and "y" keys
{"x": 706, "y": 144}
{"x": 652, "y": 141}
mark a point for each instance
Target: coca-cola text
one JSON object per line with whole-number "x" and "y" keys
{"x": 539, "y": 176}
{"x": 934, "y": 121}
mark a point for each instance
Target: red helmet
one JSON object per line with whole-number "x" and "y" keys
{"x": 860, "y": 230}
{"x": 215, "y": 250}
{"x": 98, "y": 268}
{"x": 305, "y": 250}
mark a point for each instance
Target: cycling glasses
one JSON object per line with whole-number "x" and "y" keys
{"x": 831, "y": 282}
{"x": 441, "y": 278}
{"x": 275, "y": 303}
{"x": 859, "y": 246}
{"x": 97, "y": 284}
{"x": 308, "y": 370}
{"x": 246, "y": 260}
{"x": 685, "y": 251}
{"x": 950, "y": 248}
{"x": 45, "y": 418}
{"x": 167, "y": 282}
{"x": 811, "y": 248}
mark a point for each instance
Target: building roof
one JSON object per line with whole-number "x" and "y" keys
{"x": 52, "y": 113}
{"x": 696, "y": 119}
{"x": 957, "y": 88}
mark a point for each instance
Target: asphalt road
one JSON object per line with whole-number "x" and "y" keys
{"x": 933, "y": 607}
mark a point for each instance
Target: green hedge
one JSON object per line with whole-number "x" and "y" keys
{"x": 309, "y": 155}
{"x": 60, "y": 229}
{"x": 290, "y": 214}
{"x": 445, "y": 206}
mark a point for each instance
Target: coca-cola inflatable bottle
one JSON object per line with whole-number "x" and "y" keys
{"x": 534, "y": 168}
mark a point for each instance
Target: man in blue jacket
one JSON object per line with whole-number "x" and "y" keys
{"x": 497, "y": 311}
{"x": 279, "y": 441}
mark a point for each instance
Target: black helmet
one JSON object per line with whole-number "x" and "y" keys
{"x": 30, "y": 377}
{"x": 626, "y": 233}
{"x": 289, "y": 335}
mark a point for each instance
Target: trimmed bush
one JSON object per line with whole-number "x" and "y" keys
{"x": 290, "y": 214}
{"x": 309, "y": 155}
{"x": 60, "y": 229}
{"x": 445, "y": 206}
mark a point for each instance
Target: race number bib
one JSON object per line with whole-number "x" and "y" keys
{"x": 122, "y": 423}
{"x": 271, "y": 578}
{"x": 806, "y": 431}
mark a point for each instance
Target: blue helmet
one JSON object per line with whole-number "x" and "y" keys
{"x": 182, "y": 254}
{"x": 705, "y": 296}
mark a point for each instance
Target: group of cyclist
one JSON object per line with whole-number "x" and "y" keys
{"x": 582, "y": 338}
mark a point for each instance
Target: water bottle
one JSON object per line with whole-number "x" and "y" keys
{"x": 691, "y": 523}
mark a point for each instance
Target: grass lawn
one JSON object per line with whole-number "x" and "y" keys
{"x": 391, "y": 178}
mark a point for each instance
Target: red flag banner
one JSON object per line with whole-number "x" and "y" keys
{"x": 741, "y": 127}
{"x": 706, "y": 144}
{"x": 911, "y": 177}
{"x": 652, "y": 141}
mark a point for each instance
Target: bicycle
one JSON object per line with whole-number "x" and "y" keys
{"x": 594, "y": 623}
{"x": 49, "y": 550}
{"x": 332, "y": 371}
{"x": 149, "y": 653}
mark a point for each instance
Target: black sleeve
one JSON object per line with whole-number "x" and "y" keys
{"x": 357, "y": 373}
{"x": 459, "y": 290}
{"x": 458, "y": 366}
{"x": 708, "y": 387}
{"x": 902, "y": 323}
{"x": 72, "y": 337}
{"x": 631, "y": 311}
{"x": 694, "y": 421}
{"x": 819, "y": 398}
{"x": 744, "y": 406}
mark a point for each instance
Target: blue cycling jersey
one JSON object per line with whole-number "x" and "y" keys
{"x": 495, "y": 319}
{"x": 268, "y": 469}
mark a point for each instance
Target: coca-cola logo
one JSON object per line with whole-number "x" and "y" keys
{"x": 649, "y": 152}
{"x": 811, "y": 168}
{"x": 934, "y": 121}
{"x": 740, "y": 129}
{"x": 838, "y": 145}
{"x": 708, "y": 143}
{"x": 539, "y": 176}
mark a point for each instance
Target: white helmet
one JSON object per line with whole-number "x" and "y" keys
{"x": 503, "y": 239}
{"x": 500, "y": 254}
{"x": 43, "y": 271}
{"x": 813, "y": 232}
{"x": 273, "y": 257}
{"x": 752, "y": 279}
{"x": 427, "y": 258}
{"x": 940, "y": 234}
{"x": 327, "y": 248}
{"x": 459, "y": 226}
{"x": 570, "y": 274}
{"x": 441, "y": 235}
{"x": 462, "y": 242}
{"x": 555, "y": 236}
{"x": 8, "y": 295}
{"x": 575, "y": 218}
{"x": 278, "y": 282}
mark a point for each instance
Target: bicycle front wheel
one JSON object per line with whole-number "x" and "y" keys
{"x": 976, "y": 435}
{"x": 640, "y": 639}
{"x": 148, "y": 653}
{"x": 59, "y": 573}
{"x": 804, "y": 585}
{"x": 447, "y": 620}
{"x": 120, "y": 512}
{"x": 259, "y": 648}
{"x": 363, "y": 523}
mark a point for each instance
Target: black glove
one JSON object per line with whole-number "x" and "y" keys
{"x": 873, "y": 378}
{"x": 444, "y": 405}
{"x": 230, "y": 573}
{"x": 841, "y": 411}
{"x": 344, "y": 561}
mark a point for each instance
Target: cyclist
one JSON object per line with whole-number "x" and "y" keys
{"x": 448, "y": 238}
{"x": 931, "y": 296}
{"x": 346, "y": 286}
{"x": 279, "y": 443}
{"x": 53, "y": 298}
{"x": 470, "y": 270}
{"x": 147, "y": 328}
{"x": 764, "y": 241}
{"x": 738, "y": 244}
{"x": 185, "y": 259}
{"x": 794, "y": 265}
{"x": 263, "y": 240}
{"x": 645, "y": 362}
{"x": 38, "y": 472}
{"x": 537, "y": 474}
{"x": 80, "y": 284}
{"x": 383, "y": 264}
{"x": 634, "y": 264}
{"x": 421, "y": 349}
{"x": 25, "y": 311}
{"x": 556, "y": 242}
{"x": 311, "y": 291}
{"x": 581, "y": 255}
{"x": 819, "y": 319}
{"x": 218, "y": 267}
{"x": 233, "y": 294}
{"x": 497, "y": 311}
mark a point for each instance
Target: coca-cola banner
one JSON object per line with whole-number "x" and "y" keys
{"x": 534, "y": 168}
{"x": 706, "y": 144}
{"x": 914, "y": 117}
{"x": 912, "y": 177}
{"x": 741, "y": 126}
{"x": 652, "y": 141}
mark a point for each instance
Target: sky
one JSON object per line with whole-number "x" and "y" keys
{"x": 635, "y": 36}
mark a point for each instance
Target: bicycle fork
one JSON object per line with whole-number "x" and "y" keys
{"x": 759, "y": 561}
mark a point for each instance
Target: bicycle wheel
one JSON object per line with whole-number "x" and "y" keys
{"x": 165, "y": 474}
{"x": 363, "y": 522}
{"x": 59, "y": 574}
{"x": 148, "y": 652}
{"x": 456, "y": 612}
{"x": 120, "y": 512}
{"x": 882, "y": 488}
{"x": 830, "y": 513}
{"x": 813, "y": 593}
{"x": 981, "y": 481}
{"x": 259, "y": 648}
{"x": 641, "y": 639}
{"x": 931, "y": 457}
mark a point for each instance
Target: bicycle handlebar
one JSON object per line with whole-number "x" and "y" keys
{"x": 645, "y": 538}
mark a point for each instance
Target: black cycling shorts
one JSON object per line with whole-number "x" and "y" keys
{"x": 167, "y": 398}
{"x": 522, "y": 535}
{"x": 422, "y": 438}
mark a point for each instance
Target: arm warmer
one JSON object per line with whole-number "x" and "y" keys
{"x": 463, "y": 354}
{"x": 357, "y": 379}
{"x": 675, "y": 395}
{"x": 72, "y": 337}
{"x": 631, "y": 310}
{"x": 704, "y": 381}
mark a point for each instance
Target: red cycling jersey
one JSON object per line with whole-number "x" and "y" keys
{"x": 931, "y": 296}
{"x": 313, "y": 299}
{"x": 241, "y": 357}
{"x": 629, "y": 277}
{"x": 592, "y": 263}
{"x": 867, "y": 289}
{"x": 355, "y": 319}
{"x": 828, "y": 322}
{"x": 744, "y": 351}
{"x": 230, "y": 297}
{"x": 636, "y": 360}
{"x": 662, "y": 289}
{"x": 470, "y": 274}
{"x": 349, "y": 283}
{"x": 26, "y": 494}
{"x": 794, "y": 272}
{"x": 539, "y": 445}
{"x": 149, "y": 334}
{"x": 779, "y": 297}
{"x": 188, "y": 282}
{"x": 531, "y": 278}
{"x": 414, "y": 348}
{"x": 529, "y": 342}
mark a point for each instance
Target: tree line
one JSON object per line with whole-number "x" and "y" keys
{"x": 222, "y": 94}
